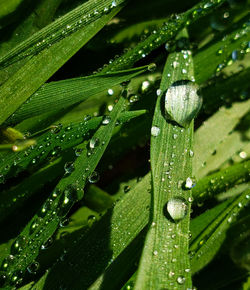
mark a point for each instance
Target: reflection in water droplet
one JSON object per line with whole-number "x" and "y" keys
{"x": 176, "y": 208}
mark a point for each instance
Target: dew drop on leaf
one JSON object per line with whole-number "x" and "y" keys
{"x": 91, "y": 220}
{"x": 182, "y": 103}
{"x": 106, "y": 120}
{"x": 181, "y": 280}
{"x": 155, "y": 131}
{"x": 33, "y": 267}
{"x": 69, "y": 167}
{"x": 94, "y": 177}
{"x": 133, "y": 98}
{"x": 189, "y": 183}
{"x": 110, "y": 92}
{"x": 176, "y": 209}
{"x": 78, "y": 152}
{"x": 47, "y": 244}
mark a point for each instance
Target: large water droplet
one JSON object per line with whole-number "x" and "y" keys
{"x": 182, "y": 102}
{"x": 176, "y": 208}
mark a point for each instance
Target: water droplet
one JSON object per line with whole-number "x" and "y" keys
{"x": 155, "y": 253}
{"x": 32, "y": 268}
{"x": 145, "y": 86}
{"x": 133, "y": 98}
{"x": 191, "y": 153}
{"x": 91, "y": 220}
{"x": 113, "y": 4}
{"x": 158, "y": 92}
{"x": 47, "y": 244}
{"x": 67, "y": 200}
{"x": 94, "y": 142}
{"x": 7, "y": 261}
{"x": 78, "y": 152}
{"x": 94, "y": 177}
{"x": 106, "y": 120}
{"x": 181, "y": 280}
{"x": 176, "y": 208}
{"x": 19, "y": 244}
{"x": 110, "y": 92}
{"x": 175, "y": 136}
{"x": 243, "y": 154}
{"x": 182, "y": 102}
{"x": 126, "y": 188}
{"x": 69, "y": 167}
{"x": 189, "y": 183}
{"x": 155, "y": 131}
{"x": 152, "y": 67}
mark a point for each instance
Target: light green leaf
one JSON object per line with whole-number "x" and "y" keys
{"x": 171, "y": 164}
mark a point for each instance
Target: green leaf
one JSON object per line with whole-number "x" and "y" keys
{"x": 39, "y": 68}
{"x": 66, "y": 193}
{"x": 216, "y": 129}
{"x": 204, "y": 246}
{"x": 215, "y": 183}
{"x": 69, "y": 92}
{"x": 171, "y": 166}
{"x": 52, "y": 143}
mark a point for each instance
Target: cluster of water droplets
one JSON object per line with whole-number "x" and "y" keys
{"x": 230, "y": 57}
{"x": 74, "y": 21}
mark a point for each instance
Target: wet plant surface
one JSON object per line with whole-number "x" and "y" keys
{"x": 124, "y": 144}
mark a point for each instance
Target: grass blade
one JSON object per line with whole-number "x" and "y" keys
{"x": 56, "y": 207}
{"x": 69, "y": 92}
{"x": 34, "y": 73}
{"x": 216, "y": 129}
{"x": 165, "y": 261}
{"x": 205, "y": 246}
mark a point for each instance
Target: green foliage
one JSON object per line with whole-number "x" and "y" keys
{"x": 85, "y": 88}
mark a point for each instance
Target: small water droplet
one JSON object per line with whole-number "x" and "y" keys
{"x": 152, "y": 67}
{"x": 145, "y": 86}
{"x": 190, "y": 183}
{"x": 181, "y": 280}
{"x": 94, "y": 177}
{"x": 78, "y": 152}
{"x": 158, "y": 92}
{"x": 133, "y": 98}
{"x": 69, "y": 167}
{"x": 91, "y": 220}
{"x": 33, "y": 267}
{"x": 126, "y": 188}
{"x": 110, "y": 92}
{"x": 155, "y": 131}
{"x": 155, "y": 253}
{"x": 94, "y": 142}
{"x": 106, "y": 120}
